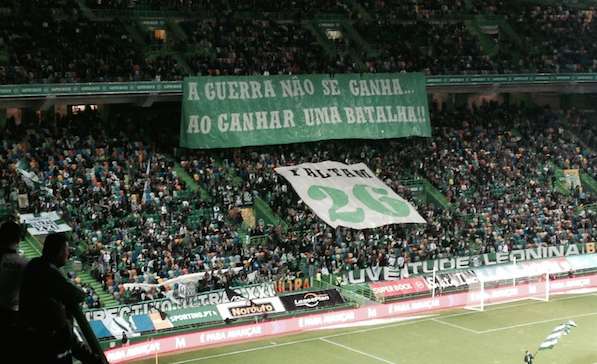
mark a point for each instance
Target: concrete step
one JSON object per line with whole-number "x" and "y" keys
{"x": 30, "y": 248}
{"x": 106, "y": 299}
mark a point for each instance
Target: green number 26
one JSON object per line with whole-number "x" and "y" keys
{"x": 339, "y": 200}
{"x": 382, "y": 204}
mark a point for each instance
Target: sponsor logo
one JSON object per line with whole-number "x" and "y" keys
{"x": 230, "y": 334}
{"x": 327, "y": 319}
{"x": 192, "y": 316}
{"x": 496, "y": 293}
{"x": 311, "y": 299}
{"x": 181, "y": 342}
{"x": 134, "y": 351}
{"x": 306, "y": 300}
{"x": 584, "y": 282}
{"x": 254, "y": 309}
{"x": 249, "y": 308}
{"x": 399, "y": 288}
{"x": 393, "y": 288}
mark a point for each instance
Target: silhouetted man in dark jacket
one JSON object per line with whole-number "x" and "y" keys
{"x": 47, "y": 303}
{"x": 12, "y": 266}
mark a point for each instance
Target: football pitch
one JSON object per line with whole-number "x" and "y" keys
{"x": 498, "y": 335}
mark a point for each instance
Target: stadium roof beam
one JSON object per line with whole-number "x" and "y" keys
{"x": 147, "y": 93}
{"x": 556, "y": 88}
{"x": 36, "y": 102}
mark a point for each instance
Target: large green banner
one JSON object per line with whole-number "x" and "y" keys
{"x": 220, "y": 112}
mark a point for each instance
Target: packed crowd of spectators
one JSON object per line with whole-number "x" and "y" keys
{"x": 156, "y": 4}
{"x": 253, "y": 46}
{"x": 123, "y": 200}
{"x": 502, "y": 174}
{"x": 44, "y": 50}
{"x": 547, "y": 39}
{"x": 298, "y": 8}
{"x": 558, "y": 38}
{"x": 306, "y": 8}
{"x": 414, "y": 9}
{"x": 553, "y": 38}
{"x": 418, "y": 35}
{"x": 485, "y": 170}
{"x": 583, "y": 125}
{"x": 136, "y": 219}
{"x": 423, "y": 47}
{"x": 48, "y": 7}
{"x": 492, "y": 7}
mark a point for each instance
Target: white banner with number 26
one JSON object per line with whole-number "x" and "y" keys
{"x": 348, "y": 195}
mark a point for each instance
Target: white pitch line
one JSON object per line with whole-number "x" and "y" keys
{"x": 357, "y": 351}
{"x": 402, "y": 323}
{"x": 456, "y": 326}
{"x": 506, "y": 306}
{"x": 270, "y": 346}
{"x": 537, "y": 323}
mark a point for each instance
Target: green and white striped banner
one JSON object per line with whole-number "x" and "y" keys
{"x": 556, "y": 334}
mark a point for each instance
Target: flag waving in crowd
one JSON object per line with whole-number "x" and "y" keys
{"x": 147, "y": 187}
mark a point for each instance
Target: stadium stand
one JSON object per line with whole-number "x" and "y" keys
{"x": 143, "y": 210}
{"x": 495, "y": 165}
{"x": 67, "y": 44}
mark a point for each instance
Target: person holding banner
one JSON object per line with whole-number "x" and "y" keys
{"x": 528, "y": 357}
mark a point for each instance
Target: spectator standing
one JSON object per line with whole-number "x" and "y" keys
{"x": 12, "y": 266}
{"x": 47, "y": 304}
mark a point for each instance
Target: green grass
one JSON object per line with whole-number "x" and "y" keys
{"x": 498, "y": 335}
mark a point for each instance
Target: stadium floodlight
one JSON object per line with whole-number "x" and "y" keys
{"x": 487, "y": 291}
